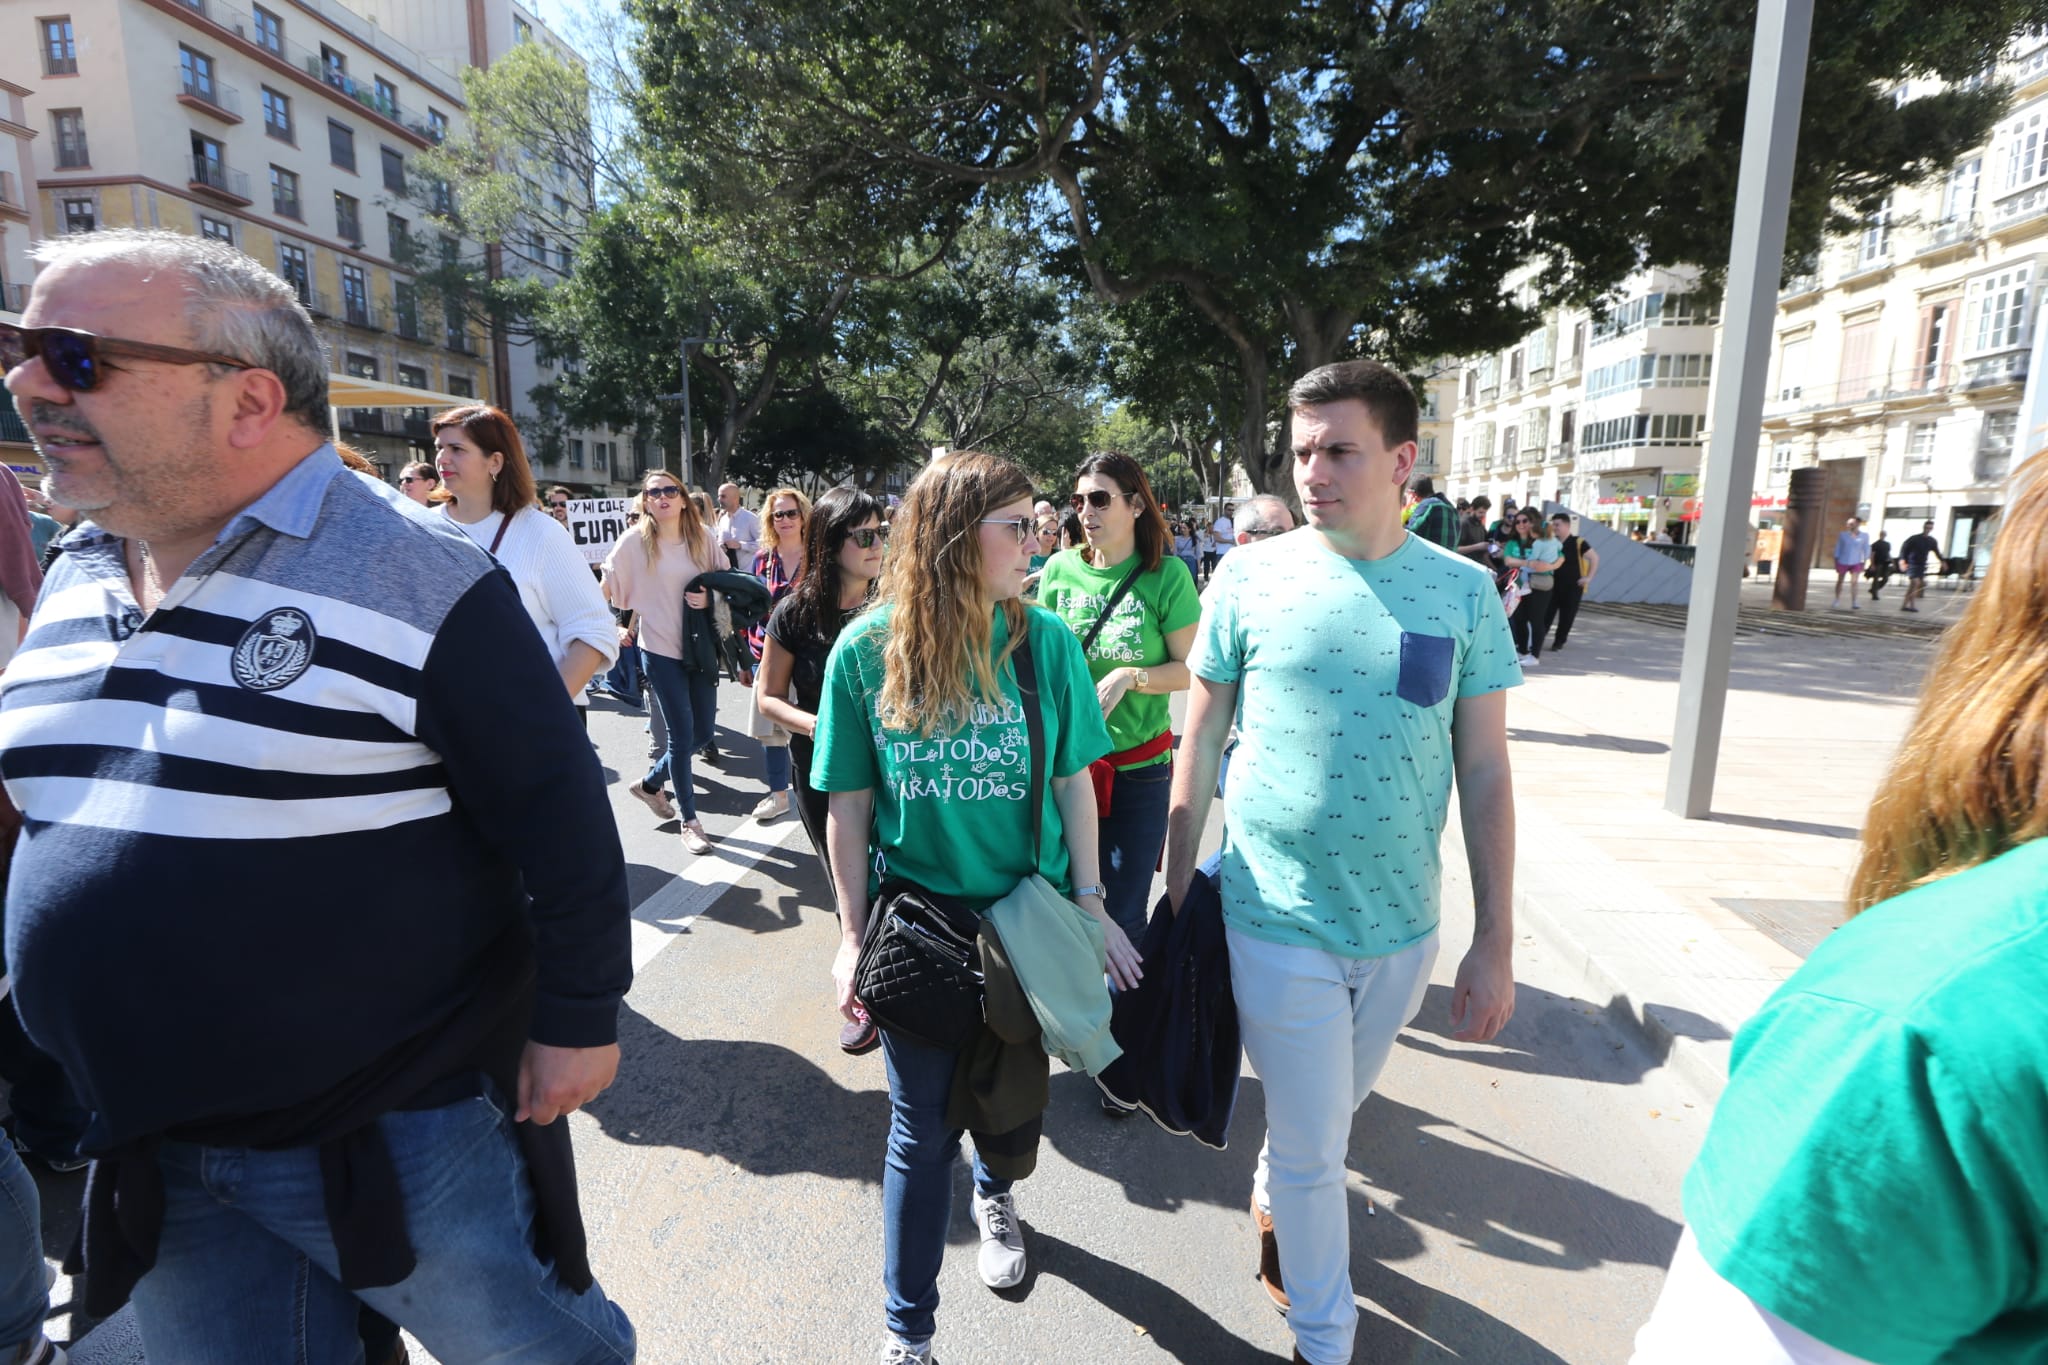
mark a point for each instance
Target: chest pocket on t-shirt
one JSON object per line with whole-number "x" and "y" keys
{"x": 1425, "y": 668}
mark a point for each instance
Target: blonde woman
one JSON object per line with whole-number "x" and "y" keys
{"x": 779, "y": 564}
{"x": 646, "y": 574}
{"x": 1899, "y": 1072}
{"x": 921, "y": 744}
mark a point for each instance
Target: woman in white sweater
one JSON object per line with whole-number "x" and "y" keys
{"x": 483, "y": 469}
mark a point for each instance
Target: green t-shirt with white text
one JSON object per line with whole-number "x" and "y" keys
{"x": 1877, "y": 1170}
{"x": 1348, "y": 672}
{"x": 951, "y": 809}
{"x": 1159, "y": 603}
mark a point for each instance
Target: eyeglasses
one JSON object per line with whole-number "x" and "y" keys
{"x": 1263, "y": 532}
{"x": 669, "y": 491}
{"x": 1098, "y": 498}
{"x": 78, "y": 360}
{"x": 558, "y": 506}
{"x": 1021, "y": 527}
{"x": 416, "y": 478}
{"x": 867, "y": 536}
{"x": 787, "y": 514}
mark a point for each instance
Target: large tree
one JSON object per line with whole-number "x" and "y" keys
{"x": 1311, "y": 179}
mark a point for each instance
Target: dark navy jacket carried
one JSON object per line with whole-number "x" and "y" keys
{"x": 319, "y": 838}
{"x": 1178, "y": 1025}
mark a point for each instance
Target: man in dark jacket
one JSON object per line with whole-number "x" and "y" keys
{"x": 1435, "y": 520}
{"x": 323, "y": 952}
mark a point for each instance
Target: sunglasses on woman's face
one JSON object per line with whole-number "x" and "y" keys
{"x": 668, "y": 492}
{"x": 1021, "y": 527}
{"x": 79, "y": 361}
{"x": 788, "y": 514}
{"x": 1098, "y": 498}
{"x": 868, "y": 537}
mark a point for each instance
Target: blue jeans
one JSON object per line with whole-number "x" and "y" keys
{"x": 776, "y": 759}
{"x": 689, "y": 706}
{"x": 246, "y": 1269}
{"x": 917, "y": 1182}
{"x": 623, "y": 677}
{"x": 24, "y": 1292}
{"x": 1130, "y": 838}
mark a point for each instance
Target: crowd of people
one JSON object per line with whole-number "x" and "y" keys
{"x": 259, "y": 729}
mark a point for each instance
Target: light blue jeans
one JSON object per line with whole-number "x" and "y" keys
{"x": 24, "y": 1289}
{"x": 246, "y": 1270}
{"x": 1309, "y": 1019}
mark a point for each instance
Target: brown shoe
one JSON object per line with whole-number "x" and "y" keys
{"x": 1269, "y": 1258}
{"x": 859, "y": 1035}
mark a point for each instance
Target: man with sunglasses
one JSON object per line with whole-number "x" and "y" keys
{"x": 267, "y": 706}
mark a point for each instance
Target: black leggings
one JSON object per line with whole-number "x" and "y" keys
{"x": 1563, "y": 609}
{"x": 810, "y": 810}
{"x": 1527, "y": 623}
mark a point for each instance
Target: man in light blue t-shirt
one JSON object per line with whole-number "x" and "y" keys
{"x": 1370, "y": 667}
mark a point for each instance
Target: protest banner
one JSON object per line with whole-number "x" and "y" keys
{"x": 596, "y": 524}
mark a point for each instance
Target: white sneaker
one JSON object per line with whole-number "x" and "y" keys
{"x": 1532, "y": 660}
{"x": 1002, "y": 1241}
{"x": 694, "y": 840}
{"x": 895, "y": 1352}
{"x": 1525, "y": 659}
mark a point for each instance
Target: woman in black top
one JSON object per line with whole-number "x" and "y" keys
{"x": 843, "y": 553}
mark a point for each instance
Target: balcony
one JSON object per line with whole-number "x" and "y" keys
{"x": 1563, "y": 452}
{"x": 1569, "y": 366}
{"x": 415, "y": 428}
{"x": 1482, "y": 464}
{"x": 1799, "y": 286}
{"x": 1948, "y": 235}
{"x": 1992, "y": 370}
{"x": 1919, "y": 382}
{"x": 459, "y": 342}
{"x": 11, "y": 203}
{"x": 13, "y": 299}
{"x": 209, "y": 96}
{"x": 361, "y": 313}
{"x": 1532, "y": 457}
{"x": 2018, "y": 209}
{"x": 1865, "y": 261}
{"x": 407, "y": 324}
{"x": 212, "y": 178}
{"x": 369, "y": 420}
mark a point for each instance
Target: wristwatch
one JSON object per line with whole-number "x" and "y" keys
{"x": 1082, "y": 892}
{"x": 1144, "y": 679}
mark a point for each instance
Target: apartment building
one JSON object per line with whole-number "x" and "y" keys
{"x": 1606, "y": 414}
{"x": 1900, "y": 361}
{"x": 21, "y": 222}
{"x": 1437, "y": 396}
{"x": 286, "y": 128}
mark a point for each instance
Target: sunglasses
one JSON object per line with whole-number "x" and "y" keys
{"x": 78, "y": 361}
{"x": 1098, "y": 498}
{"x": 1020, "y": 526}
{"x": 787, "y": 514}
{"x": 416, "y": 478}
{"x": 866, "y": 538}
{"x": 669, "y": 492}
{"x": 559, "y": 506}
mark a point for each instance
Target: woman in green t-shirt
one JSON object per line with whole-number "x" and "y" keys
{"x": 1138, "y": 660}
{"x": 1872, "y": 1186}
{"x": 923, "y": 743}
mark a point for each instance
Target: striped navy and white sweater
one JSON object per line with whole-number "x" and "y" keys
{"x": 271, "y": 829}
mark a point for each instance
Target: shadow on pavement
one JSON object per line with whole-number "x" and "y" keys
{"x": 1432, "y": 1327}
{"x": 1789, "y": 826}
{"x": 1180, "y": 1328}
{"x": 1554, "y": 1035}
{"x": 1614, "y": 742}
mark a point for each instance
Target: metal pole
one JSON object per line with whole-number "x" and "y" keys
{"x": 689, "y": 469}
{"x": 1763, "y": 196}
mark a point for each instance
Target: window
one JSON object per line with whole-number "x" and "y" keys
{"x": 437, "y": 125}
{"x": 1876, "y": 243}
{"x": 284, "y": 193}
{"x": 405, "y": 306}
{"x": 277, "y": 115}
{"x": 1994, "y": 444}
{"x": 341, "y": 145}
{"x": 215, "y": 229}
{"x": 79, "y": 215}
{"x": 1643, "y": 429}
{"x": 1567, "y": 428}
{"x": 1471, "y": 386}
{"x": 334, "y": 66}
{"x": 1781, "y": 460}
{"x": 561, "y": 209}
{"x": 348, "y": 220}
{"x": 1658, "y": 310}
{"x": 540, "y": 249}
{"x": 1959, "y": 193}
{"x": 1792, "y": 369}
{"x": 1509, "y": 439}
{"x": 387, "y": 98}
{"x": 60, "y": 52}
{"x": 564, "y": 258}
{"x": 70, "y": 126}
{"x": 522, "y": 32}
{"x": 1937, "y": 339}
{"x": 1862, "y": 375}
{"x": 355, "y": 294}
{"x": 600, "y": 454}
{"x": 1515, "y": 369}
{"x": 412, "y": 376}
{"x": 575, "y": 453}
{"x": 460, "y": 386}
{"x": 197, "y": 70}
{"x": 2001, "y": 304}
{"x": 269, "y": 33}
{"x": 1919, "y": 452}
{"x": 394, "y": 170}
{"x": 398, "y": 234}
{"x": 2025, "y": 160}
{"x": 291, "y": 267}
{"x": 208, "y": 163}
{"x": 1426, "y": 452}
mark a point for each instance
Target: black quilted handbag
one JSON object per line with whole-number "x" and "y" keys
{"x": 919, "y": 972}
{"x": 920, "y": 969}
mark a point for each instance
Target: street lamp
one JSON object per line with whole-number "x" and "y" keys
{"x": 689, "y": 469}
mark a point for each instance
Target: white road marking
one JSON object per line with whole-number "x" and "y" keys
{"x": 667, "y": 914}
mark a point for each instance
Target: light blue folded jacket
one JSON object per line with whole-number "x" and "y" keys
{"x": 1055, "y": 947}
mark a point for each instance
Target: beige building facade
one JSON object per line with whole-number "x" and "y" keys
{"x": 21, "y": 223}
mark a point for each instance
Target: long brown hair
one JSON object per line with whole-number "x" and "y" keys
{"x": 1150, "y": 524}
{"x": 939, "y": 627}
{"x": 696, "y": 537}
{"x": 493, "y": 433}
{"x": 1971, "y": 780}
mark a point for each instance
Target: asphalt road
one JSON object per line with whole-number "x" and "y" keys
{"x": 1511, "y": 1203}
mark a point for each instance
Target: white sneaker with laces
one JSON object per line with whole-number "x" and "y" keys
{"x": 1002, "y": 1240}
{"x": 895, "y": 1352}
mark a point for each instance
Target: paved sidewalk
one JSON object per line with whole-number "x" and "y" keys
{"x": 1688, "y": 925}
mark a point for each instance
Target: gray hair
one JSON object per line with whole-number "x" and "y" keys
{"x": 1263, "y": 513}
{"x": 234, "y": 306}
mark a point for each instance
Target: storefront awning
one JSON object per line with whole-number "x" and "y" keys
{"x": 348, "y": 391}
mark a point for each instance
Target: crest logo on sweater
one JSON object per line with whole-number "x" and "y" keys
{"x": 275, "y": 651}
